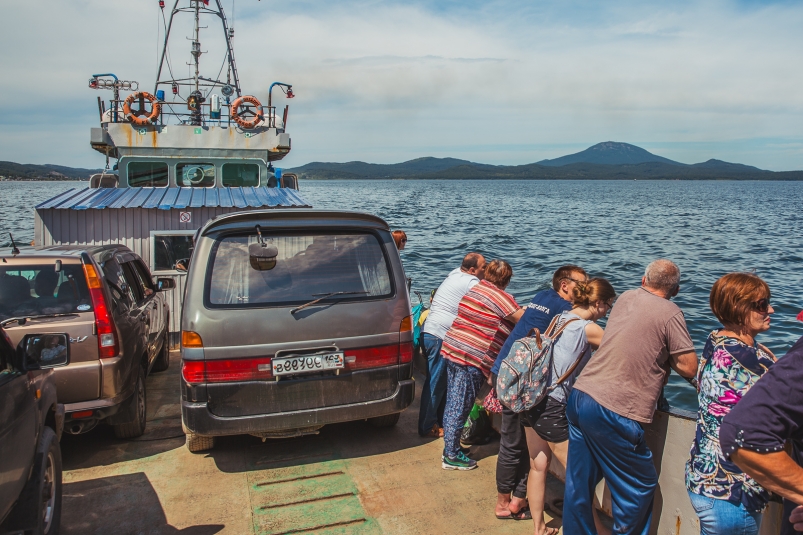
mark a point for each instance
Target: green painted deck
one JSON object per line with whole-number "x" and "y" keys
{"x": 351, "y": 479}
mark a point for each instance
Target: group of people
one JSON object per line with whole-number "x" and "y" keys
{"x": 751, "y": 403}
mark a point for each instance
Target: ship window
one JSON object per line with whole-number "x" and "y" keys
{"x": 147, "y": 174}
{"x": 171, "y": 251}
{"x": 195, "y": 175}
{"x": 240, "y": 174}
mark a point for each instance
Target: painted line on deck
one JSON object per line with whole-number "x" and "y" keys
{"x": 300, "y": 478}
{"x": 311, "y": 500}
{"x": 324, "y": 526}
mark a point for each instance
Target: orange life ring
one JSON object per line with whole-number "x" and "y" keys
{"x": 138, "y": 117}
{"x": 239, "y": 120}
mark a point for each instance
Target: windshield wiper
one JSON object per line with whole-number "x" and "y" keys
{"x": 21, "y": 320}
{"x": 325, "y": 296}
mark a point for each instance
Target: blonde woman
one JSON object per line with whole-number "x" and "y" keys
{"x": 545, "y": 425}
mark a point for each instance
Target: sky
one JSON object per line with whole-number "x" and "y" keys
{"x": 499, "y": 82}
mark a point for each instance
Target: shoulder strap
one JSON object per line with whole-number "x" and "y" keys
{"x": 573, "y": 367}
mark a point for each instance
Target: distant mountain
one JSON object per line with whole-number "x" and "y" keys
{"x": 609, "y": 153}
{"x": 609, "y": 160}
{"x": 21, "y": 171}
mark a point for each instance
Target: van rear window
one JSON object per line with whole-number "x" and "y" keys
{"x": 307, "y": 267}
{"x": 36, "y": 289}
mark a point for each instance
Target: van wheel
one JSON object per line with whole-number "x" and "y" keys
{"x": 162, "y": 361}
{"x": 196, "y": 443}
{"x": 39, "y": 506}
{"x": 388, "y": 420}
{"x": 136, "y": 428}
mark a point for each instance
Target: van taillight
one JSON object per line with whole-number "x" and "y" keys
{"x": 226, "y": 371}
{"x": 108, "y": 345}
{"x": 191, "y": 339}
{"x": 405, "y": 348}
{"x": 372, "y": 357}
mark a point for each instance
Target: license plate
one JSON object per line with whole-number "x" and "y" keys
{"x": 307, "y": 364}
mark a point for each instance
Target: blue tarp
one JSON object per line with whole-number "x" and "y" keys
{"x": 169, "y": 198}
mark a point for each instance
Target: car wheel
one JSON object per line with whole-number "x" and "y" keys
{"x": 196, "y": 443}
{"x": 39, "y": 506}
{"x": 389, "y": 420}
{"x": 136, "y": 427}
{"x": 162, "y": 361}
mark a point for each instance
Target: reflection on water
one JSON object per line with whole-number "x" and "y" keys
{"x": 611, "y": 228}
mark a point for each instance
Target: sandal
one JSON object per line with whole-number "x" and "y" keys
{"x": 435, "y": 432}
{"x": 523, "y": 514}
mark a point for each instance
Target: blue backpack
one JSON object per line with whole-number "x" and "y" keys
{"x": 523, "y": 379}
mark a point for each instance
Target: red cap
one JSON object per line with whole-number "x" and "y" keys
{"x": 800, "y": 316}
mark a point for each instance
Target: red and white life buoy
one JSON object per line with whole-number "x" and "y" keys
{"x": 139, "y": 118}
{"x": 249, "y": 123}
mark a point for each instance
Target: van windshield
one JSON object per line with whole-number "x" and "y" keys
{"x": 307, "y": 267}
{"x": 31, "y": 290}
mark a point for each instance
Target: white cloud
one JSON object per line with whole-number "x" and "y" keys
{"x": 505, "y": 82}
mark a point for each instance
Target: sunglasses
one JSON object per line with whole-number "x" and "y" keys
{"x": 762, "y": 305}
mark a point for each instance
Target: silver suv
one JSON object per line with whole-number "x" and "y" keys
{"x": 116, "y": 318}
{"x": 293, "y": 319}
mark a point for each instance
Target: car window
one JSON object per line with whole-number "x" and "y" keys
{"x": 133, "y": 281}
{"x": 121, "y": 288}
{"x": 35, "y": 289}
{"x": 144, "y": 278}
{"x": 308, "y": 266}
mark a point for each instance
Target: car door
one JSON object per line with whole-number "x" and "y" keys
{"x": 127, "y": 313}
{"x": 153, "y": 302}
{"x": 18, "y": 424}
{"x": 143, "y": 306}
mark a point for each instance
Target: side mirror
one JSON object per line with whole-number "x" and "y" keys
{"x": 165, "y": 284}
{"x": 44, "y": 351}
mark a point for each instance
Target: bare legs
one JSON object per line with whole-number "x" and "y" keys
{"x": 560, "y": 452}
{"x": 540, "y": 457}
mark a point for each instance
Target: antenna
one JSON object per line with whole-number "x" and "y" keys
{"x": 14, "y": 249}
{"x": 196, "y": 82}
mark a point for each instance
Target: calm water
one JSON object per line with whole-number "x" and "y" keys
{"x": 611, "y": 228}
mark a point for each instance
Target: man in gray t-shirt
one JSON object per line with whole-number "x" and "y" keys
{"x": 645, "y": 336}
{"x": 442, "y": 313}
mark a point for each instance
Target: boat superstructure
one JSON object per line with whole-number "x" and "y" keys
{"x": 196, "y": 131}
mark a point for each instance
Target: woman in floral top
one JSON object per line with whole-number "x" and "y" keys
{"x": 727, "y": 500}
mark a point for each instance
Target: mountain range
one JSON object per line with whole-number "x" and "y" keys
{"x": 25, "y": 171}
{"x": 607, "y": 160}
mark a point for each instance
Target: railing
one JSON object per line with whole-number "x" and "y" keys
{"x": 200, "y": 117}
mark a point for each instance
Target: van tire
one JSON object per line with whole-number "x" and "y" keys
{"x": 42, "y": 490}
{"x": 162, "y": 361}
{"x": 389, "y": 420}
{"x": 197, "y": 443}
{"x": 135, "y": 428}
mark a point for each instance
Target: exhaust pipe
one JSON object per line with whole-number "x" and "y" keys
{"x": 80, "y": 426}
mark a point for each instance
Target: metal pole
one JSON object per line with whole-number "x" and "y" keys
{"x": 197, "y": 44}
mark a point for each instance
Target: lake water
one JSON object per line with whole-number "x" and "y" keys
{"x": 611, "y": 228}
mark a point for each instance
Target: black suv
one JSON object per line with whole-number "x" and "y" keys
{"x": 30, "y": 427}
{"x": 117, "y": 319}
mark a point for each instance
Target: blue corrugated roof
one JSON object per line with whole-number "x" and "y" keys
{"x": 168, "y": 198}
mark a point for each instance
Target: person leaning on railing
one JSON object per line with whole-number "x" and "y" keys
{"x": 726, "y": 499}
{"x": 763, "y": 434}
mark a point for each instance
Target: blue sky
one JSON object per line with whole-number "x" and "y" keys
{"x": 505, "y": 82}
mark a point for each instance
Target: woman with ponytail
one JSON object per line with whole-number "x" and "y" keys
{"x": 546, "y": 426}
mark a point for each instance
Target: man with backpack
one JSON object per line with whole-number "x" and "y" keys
{"x": 442, "y": 313}
{"x": 617, "y": 391}
{"x": 513, "y": 461}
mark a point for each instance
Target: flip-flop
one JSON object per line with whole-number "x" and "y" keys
{"x": 523, "y": 514}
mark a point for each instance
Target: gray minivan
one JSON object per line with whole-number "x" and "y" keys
{"x": 293, "y": 319}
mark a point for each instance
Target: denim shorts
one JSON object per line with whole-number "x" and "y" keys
{"x": 721, "y": 517}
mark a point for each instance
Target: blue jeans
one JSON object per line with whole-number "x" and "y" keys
{"x": 433, "y": 391}
{"x": 605, "y": 444}
{"x": 721, "y": 517}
